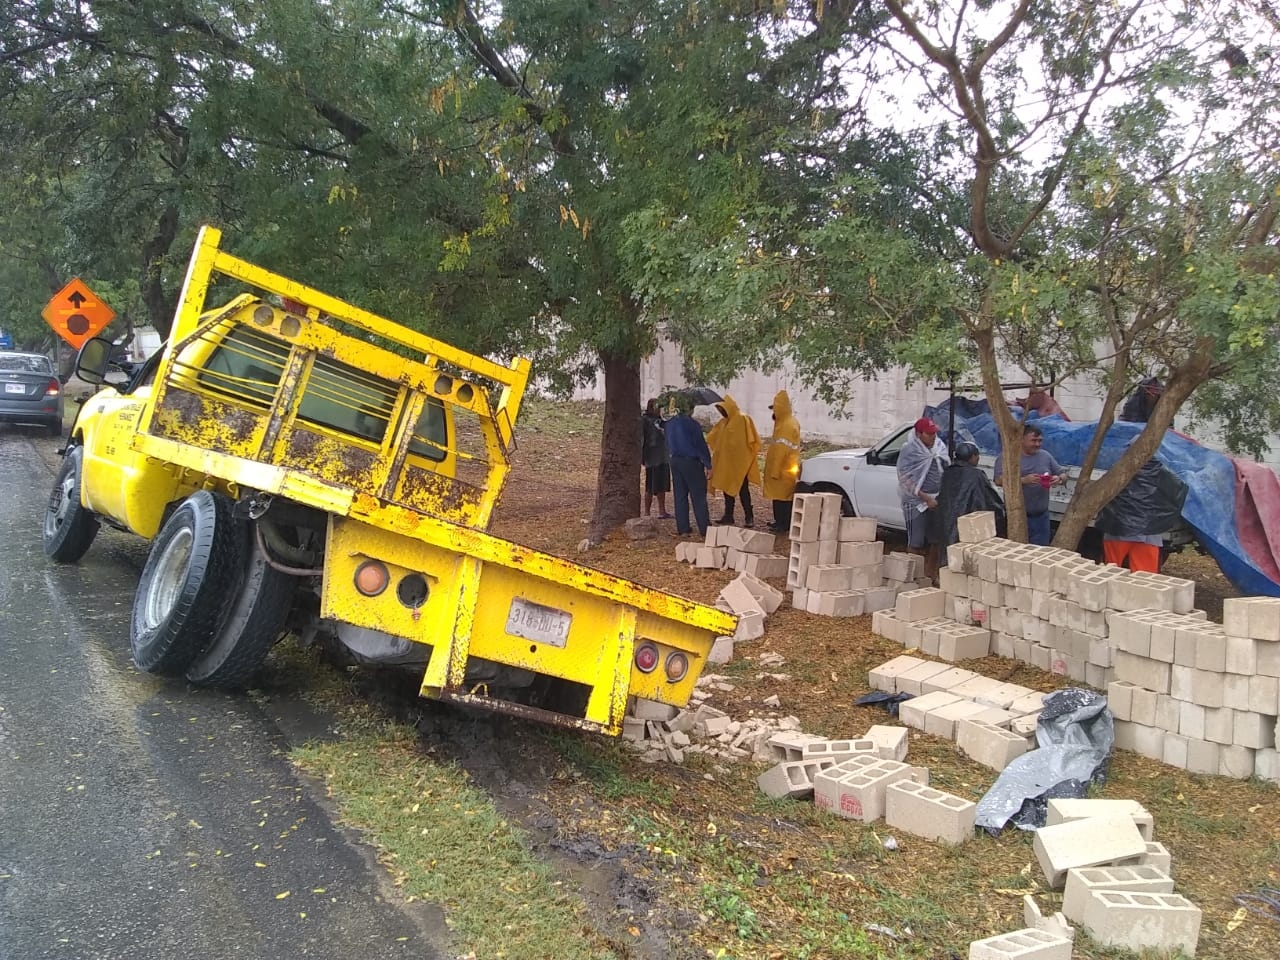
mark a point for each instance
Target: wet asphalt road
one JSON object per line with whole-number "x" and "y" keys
{"x": 140, "y": 818}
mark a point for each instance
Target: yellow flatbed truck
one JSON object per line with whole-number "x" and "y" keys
{"x": 303, "y": 467}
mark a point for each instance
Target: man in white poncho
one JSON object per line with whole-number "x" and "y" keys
{"x": 919, "y": 479}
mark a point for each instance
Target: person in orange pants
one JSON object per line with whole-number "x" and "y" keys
{"x": 1132, "y": 524}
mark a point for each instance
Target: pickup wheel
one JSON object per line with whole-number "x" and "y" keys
{"x": 193, "y": 567}
{"x": 69, "y": 528}
{"x": 254, "y": 624}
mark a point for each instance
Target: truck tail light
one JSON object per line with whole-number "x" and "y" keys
{"x": 52, "y": 388}
{"x": 646, "y": 658}
{"x": 372, "y": 577}
{"x": 677, "y": 666}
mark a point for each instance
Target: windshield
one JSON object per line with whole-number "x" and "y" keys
{"x": 25, "y": 363}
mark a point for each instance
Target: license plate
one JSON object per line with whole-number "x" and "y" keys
{"x": 14, "y": 388}
{"x": 538, "y": 623}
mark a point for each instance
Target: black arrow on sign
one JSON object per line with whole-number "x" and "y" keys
{"x": 77, "y": 298}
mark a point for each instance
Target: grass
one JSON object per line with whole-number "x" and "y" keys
{"x": 443, "y": 841}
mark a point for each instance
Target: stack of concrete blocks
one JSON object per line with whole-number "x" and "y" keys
{"x": 735, "y": 548}
{"x": 1198, "y": 695}
{"x": 750, "y": 599}
{"x": 1099, "y": 852}
{"x": 837, "y": 567}
{"x": 992, "y": 722}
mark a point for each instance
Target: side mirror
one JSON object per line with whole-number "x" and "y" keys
{"x": 91, "y": 361}
{"x": 872, "y": 459}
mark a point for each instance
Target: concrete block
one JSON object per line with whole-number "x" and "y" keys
{"x": 721, "y": 650}
{"x": 757, "y": 542}
{"x": 891, "y": 742}
{"x": 1025, "y": 944}
{"x": 837, "y": 750}
{"x": 899, "y": 566}
{"x": 1175, "y": 750}
{"x": 750, "y": 627}
{"x": 958, "y": 558}
{"x": 964, "y": 643}
{"x": 1203, "y": 756}
{"x": 925, "y": 812}
{"x": 1067, "y": 810}
{"x": 859, "y": 553}
{"x": 988, "y": 744}
{"x": 788, "y": 745}
{"x": 1120, "y": 699}
{"x": 803, "y": 555}
{"x": 1157, "y": 856}
{"x": 1083, "y": 881}
{"x": 827, "y": 577}
{"x": 1143, "y": 671}
{"x": 766, "y": 594}
{"x": 739, "y": 599}
{"x": 910, "y": 681}
{"x": 710, "y": 558}
{"x": 975, "y": 687}
{"x": 836, "y": 603}
{"x": 800, "y": 599}
{"x": 792, "y": 778}
{"x": 976, "y": 527}
{"x": 885, "y": 676}
{"x": 885, "y": 624}
{"x": 920, "y": 604}
{"x": 955, "y": 584}
{"x": 1267, "y": 657}
{"x": 765, "y": 566}
{"x": 1253, "y": 730}
{"x": 1264, "y": 695}
{"x": 1055, "y": 923}
{"x": 806, "y": 517}
{"x": 878, "y": 598}
{"x": 1143, "y": 921}
{"x": 1266, "y": 765}
{"x": 1219, "y": 724}
{"x": 951, "y": 677}
{"x": 655, "y": 710}
{"x": 857, "y": 529}
{"x": 1093, "y": 842}
{"x": 1029, "y": 704}
{"x": 858, "y": 792}
{"x": 1236, "y": 762}
{"x": 941, "y": 721}
{"x": 914, "y": 711}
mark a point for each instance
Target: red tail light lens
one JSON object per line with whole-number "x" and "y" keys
{"x": 646, "y": 658}
{"x": 53, "y": 389}
{"x": 677, "y": 666}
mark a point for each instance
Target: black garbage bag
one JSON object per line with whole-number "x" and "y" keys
{"x": 1074, "y": 738}
{"x": 965, "y": 489}
{"x": 1151, "y": 503}
{"x": 889, "y": 701}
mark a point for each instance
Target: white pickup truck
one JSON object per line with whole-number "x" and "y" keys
{"x": 867, "y": 479}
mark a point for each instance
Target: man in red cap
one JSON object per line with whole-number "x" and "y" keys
{"x": 919, "y": 480}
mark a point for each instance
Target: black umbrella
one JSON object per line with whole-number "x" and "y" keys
{"x": 697, "y": 396}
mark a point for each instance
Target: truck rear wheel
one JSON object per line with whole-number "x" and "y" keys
{"x": 254, "y": 624}
{"x": 69, "y": 528}
{"x": 193, "y": 567}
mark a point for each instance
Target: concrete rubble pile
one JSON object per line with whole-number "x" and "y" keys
{"x": 1184, "y": 690}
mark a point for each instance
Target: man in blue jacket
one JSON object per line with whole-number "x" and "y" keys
{"x": 690, "y": 467}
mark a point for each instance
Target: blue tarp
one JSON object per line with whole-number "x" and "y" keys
{"x": 1211, "y": 478}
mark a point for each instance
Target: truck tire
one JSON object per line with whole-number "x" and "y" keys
{"x": 193, "y": 567}
{"x": 69, "y": 528}
{"x": 253, "y": 625}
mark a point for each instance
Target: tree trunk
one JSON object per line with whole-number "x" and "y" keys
{"x": 1086, "y": 502}
{"x": 618, "y": 487}
{"x": 983, "y": 334}
{"x": 160, "y": 305}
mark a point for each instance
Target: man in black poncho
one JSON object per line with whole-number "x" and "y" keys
{"x": 965, "y": 489}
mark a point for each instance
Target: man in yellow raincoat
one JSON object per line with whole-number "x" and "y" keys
{"x": 782, "y": 462}
{"x": 735, "y": 449}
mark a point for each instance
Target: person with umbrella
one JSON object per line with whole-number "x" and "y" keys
{"x": 735, "y": 465}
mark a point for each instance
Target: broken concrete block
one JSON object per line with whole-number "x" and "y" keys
{"x": 721, "y": 650}
{"x": 710, "y": 558}
{"x": 750, "y": 627}
{"x": 1055, "y": 923}
{"x": 891, "y": 742}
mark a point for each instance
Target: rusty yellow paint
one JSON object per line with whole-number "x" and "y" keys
{"x": 473, "y": 578}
